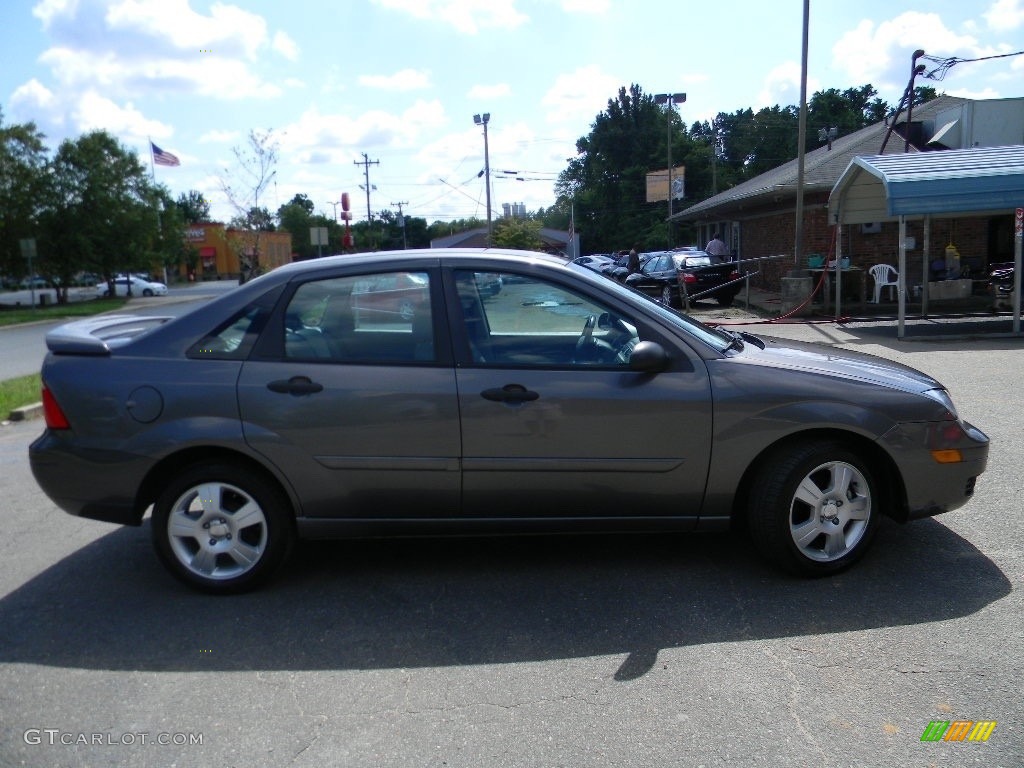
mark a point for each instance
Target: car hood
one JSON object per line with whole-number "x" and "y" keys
{"x": 840, "y": 363}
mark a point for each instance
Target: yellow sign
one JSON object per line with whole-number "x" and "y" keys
{"x": 657, "y": 184}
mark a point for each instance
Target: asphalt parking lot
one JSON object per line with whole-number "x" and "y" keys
{"x": 569, "y": 651}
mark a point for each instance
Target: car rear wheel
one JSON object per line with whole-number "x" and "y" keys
{"x": 812, "y": 508}
{"x": 725, "y": 301}
{"x": 221, "y": 528}
{"x": 666, "y": 295}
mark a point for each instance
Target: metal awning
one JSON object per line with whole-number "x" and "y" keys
{"x": 956, "y": 181}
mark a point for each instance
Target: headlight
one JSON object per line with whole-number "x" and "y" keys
{"x": 942, "y": 397}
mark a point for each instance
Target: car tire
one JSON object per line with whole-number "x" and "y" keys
{"x": 812, "y": 508}
{"x": 666, "y": 295}
{"x": 147, "y": 292}
{"x": 725, "y": 301}
{"x": 222, "y": 528}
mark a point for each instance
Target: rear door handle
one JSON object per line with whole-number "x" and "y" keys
{"x": 510, "y": 393}
{"x": 296, "y": 385}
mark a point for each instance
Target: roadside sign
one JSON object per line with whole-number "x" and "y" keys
{"x": 28, "y": 247}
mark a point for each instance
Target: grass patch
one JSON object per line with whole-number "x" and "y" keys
{"x": 15, "y": 393}
{"x": 18, "y": 315}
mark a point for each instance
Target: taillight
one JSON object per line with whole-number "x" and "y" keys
{"x": 689, "y": 277}
{"x": 55, "y": 418}
{"x": 734, "y": 275}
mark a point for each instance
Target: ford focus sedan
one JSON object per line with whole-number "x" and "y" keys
{"x": 285, "y": 409}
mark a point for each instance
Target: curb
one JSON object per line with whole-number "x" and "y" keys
{"x": 26, "y": 412}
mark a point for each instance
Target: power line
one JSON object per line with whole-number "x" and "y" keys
{"x": 944, "y": 65}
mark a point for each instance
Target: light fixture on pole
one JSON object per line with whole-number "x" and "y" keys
{"x": 484, "y": 120}
{"x": 670, "y": 99}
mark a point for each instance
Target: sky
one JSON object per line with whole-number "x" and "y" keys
{"x": 398, "y": 82}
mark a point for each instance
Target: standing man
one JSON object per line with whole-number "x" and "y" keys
{"x": 717, "y": 247}
{"x": 634, "y": 261}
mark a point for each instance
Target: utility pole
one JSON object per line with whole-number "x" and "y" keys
{"x": 366, "y": 163}
{"x": 401, "y": 223}
{"x": 671, "y": 99}
{"x": 478, "y": 120}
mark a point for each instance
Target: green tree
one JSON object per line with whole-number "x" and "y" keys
{"x": 606, "y": 182}
{"x": 101, "y": 212}
{"x": 522, "y": 234}
{"x": 23, "y": 181}
{"x": 194, "y": 206}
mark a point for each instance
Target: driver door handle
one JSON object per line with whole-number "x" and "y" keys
{"x": 510, "y": 393}
{"x": 296, "y": 385}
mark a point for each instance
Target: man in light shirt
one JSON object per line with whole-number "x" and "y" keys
{"x": 717, "y": 247}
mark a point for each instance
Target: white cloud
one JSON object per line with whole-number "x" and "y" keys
{"x": 219, "y": 137}
{"x": 1005, "y": 14}
{"x": 406, "y": 80}
{"x": 781, "y": 85}
{"x": 573, "y": 95}
{"x": 466, "y": 16}
{"x": 48, "y": 10}
{"x": 287, "y": 47}
{"x": 227, "y": 31}
{"x": 881, "y": 53}
{"x": 316, "y": 138}
{"x": 209, "y": 75}
{"x": 595, "y": 7}
{"x": 33, "y": 95}
{"x": 131, "y": 48}
{"x": 485, "y": 92}
{"x": 95, "y": 112}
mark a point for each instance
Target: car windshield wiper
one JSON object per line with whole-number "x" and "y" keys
{"x": 736, "y": 339}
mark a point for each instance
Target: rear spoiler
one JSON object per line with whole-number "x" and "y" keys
{"x": 99, "y": 335}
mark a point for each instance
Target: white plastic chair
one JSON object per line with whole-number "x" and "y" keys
{"x": 884, "y": 275}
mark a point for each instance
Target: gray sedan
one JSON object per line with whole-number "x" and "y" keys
{"x": 303, "y": 405}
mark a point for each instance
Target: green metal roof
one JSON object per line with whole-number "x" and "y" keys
{"x": 942, "y": 182}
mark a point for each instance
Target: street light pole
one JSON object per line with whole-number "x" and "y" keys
{"x": 670, "y": 99}
{"x": 484, "y": 120}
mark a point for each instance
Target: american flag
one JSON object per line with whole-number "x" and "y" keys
{"x": 160, "y": 157}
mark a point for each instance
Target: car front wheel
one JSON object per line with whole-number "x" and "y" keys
{"x": 812, "y": 508}
{"x": 221, "y": 528}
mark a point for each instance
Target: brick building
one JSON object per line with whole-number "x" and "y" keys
{"x": 220, "y": 248}
{"x": 757, "y": 218}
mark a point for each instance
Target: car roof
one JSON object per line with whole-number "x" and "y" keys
{"x": 429, "y": 257}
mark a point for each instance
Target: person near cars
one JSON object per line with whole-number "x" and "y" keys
{"x": 634, "y": 261}
{"x": 716, "y": 246}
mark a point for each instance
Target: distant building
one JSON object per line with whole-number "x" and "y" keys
{"x": 220, "y": 249}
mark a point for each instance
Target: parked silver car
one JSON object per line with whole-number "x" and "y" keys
{"x": 285, "y": 409}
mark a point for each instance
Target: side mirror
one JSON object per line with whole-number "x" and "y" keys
{"x": 648, "y": 357}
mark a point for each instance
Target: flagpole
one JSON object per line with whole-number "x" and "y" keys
{"x": 159, "y": 218}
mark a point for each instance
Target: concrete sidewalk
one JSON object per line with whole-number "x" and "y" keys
{"x": 964, "y": 320}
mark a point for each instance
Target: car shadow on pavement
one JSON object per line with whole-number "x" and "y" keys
{"x": 387, "y": 604}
